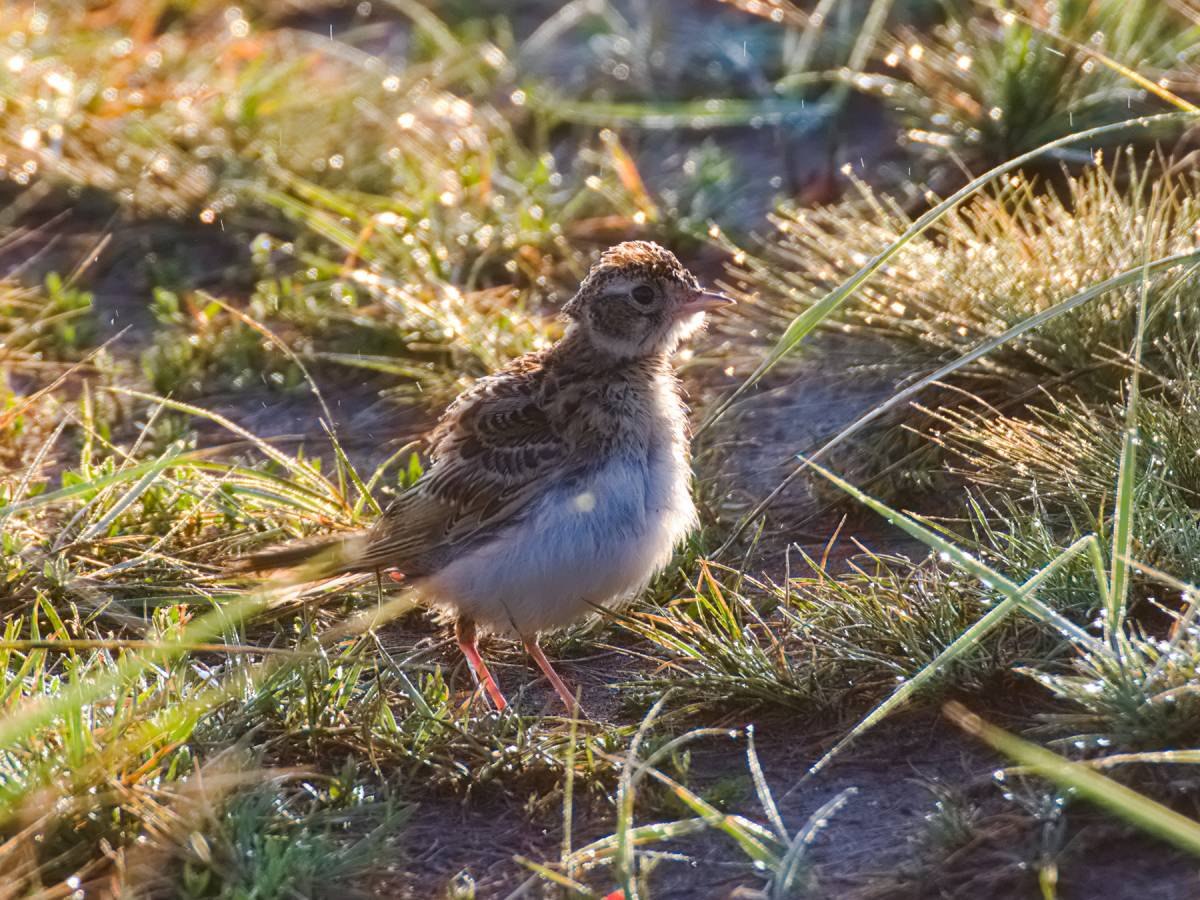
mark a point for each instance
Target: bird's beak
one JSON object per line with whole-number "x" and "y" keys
{"x": 703, "y": 301}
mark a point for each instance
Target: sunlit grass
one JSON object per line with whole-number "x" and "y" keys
{"x": 113, "y": 596}
{"x": 825, "y": 643}
{"x": 988, "y": 266}
{"x": 992, "y": 83}
{"x": 408, "y": 226}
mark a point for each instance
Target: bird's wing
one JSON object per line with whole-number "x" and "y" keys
{"x": 490, "y": 452}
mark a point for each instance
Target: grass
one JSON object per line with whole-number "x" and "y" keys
{"x": 825, "y": 643}
{"x": 121, "y": 561}
{"x": 990, "y": 265}
{"x": 993, "y": 82}
{"x": 399, "y": 208}
{"x": 432, "y": 226}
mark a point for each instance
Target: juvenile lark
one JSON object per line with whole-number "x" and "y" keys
{"x": 559, "y": 485}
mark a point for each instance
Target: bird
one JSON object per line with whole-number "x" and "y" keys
{"x": 558, "y": 486}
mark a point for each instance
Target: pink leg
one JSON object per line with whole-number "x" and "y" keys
{"x": 464, "y": 633}
{"x": 573, "y": 707}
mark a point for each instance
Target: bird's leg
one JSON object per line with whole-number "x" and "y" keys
{"x": 572, "y": 704}
{"x": 464, "y": 633}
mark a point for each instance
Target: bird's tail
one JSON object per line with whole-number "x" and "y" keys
{"x": 308, "y": 559}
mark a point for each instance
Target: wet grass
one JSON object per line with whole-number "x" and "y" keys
{"x": 405, "y": 201}
{"x": 1023, "y": 250}
{"x": 985, "y": 86}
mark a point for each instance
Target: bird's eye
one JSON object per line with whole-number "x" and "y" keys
{"x": 643, "y": 294}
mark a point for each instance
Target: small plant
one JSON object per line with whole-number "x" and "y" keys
{"x": 203, "y": 346}
{"x": 1142, "y": 699}
{"x": 953, "y": 823}
{"x": 276, "y": 840}
{"x": 1064, "y": 460}
{"x": 54, "y": 322}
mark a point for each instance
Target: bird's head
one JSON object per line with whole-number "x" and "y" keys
{"x": 638, "y": 301}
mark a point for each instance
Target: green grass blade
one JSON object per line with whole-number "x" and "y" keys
{"x": 605, "y": 848}
{"x": 346, "y": 466}
{"x": 765, "y": 797}
{"x": 687, "y": 114}
{"x": 1137, "y": 809}
{"x": 751, "y": 837}
{"x": 783, "y": 885}
{"x": 868, "y": 35}
{"x": 33, "y": 467}
{"x": 1123, "y": 512}
{"x": 141, "y": 470}
{"x": 381, "y": 470}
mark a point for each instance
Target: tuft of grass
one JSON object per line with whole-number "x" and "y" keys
{"x": 271, "y": 834}
{"x": 1143, "y": 699}
{"x": 985, "y": 267}
{"x": 824, "y": 642}
{"x": 1064, "y": 460}
{"x": 979, "y": 273}
{"x": 983, "y": 87}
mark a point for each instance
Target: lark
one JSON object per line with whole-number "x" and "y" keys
{"x": 557, "y": 487}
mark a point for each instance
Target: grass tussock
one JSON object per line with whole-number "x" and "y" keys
{"x": 988, "y": 266}
{"x": 825, "y": 642}
{"x": 980, "y": 89}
